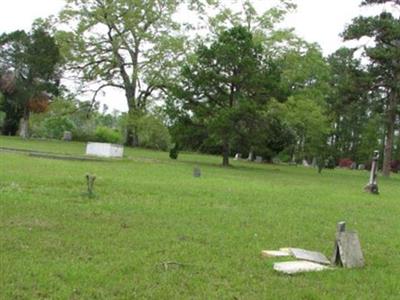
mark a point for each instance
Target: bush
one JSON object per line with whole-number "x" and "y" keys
{"x": 52, "y": 127}
{"x": 107, "y": 135}
{"x": 395, "y": 166}
{"x": 174, "y": 152}
{"x": 330, "y": 163}
{"x": 345, "y": 163}
{"x": 153, "y": 134}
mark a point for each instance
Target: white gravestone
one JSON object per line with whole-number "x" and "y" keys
{"x": 104, "y": 150}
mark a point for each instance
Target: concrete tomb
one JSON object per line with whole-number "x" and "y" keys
{"x": 104, "y": 150}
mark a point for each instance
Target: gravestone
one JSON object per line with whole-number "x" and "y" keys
{"x": 361, "y": 167}
{"x": 251, "y": 156}
{"x": 276, "y": 161}
{"x": 294, "y": 267}
{"x": 305, "y": 163}
{"x": 104, "y": 150}
{"x": 372, "y": 186}
{"x": 259, "y": 159}
{"x": 238, "y": 156}
{"x": 90, "y": 184}
{"x": 67, "y": 136}
{"x": 196, "y": 172}
{"x": 353, "y": 166}
{"x": 307, "y": 255}
{"x": 314, "y": 163}
{"x": 347, "y": 251}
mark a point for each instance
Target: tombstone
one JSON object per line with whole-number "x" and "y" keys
{"x": 259, "y": 159}
{"x": 353, "y": 166}
{"x": 294, "y": 267}
{"x": 196, "y": 172}
{"x": 314, "y": 163}
{"x": 361, "y": 167}
{"x": 305, "y": 163}
{"x": 251, "y": 156}
{"x": 67, "y": 136}
{"x": 347, "y": 251}
{"x": 372, "y": 186}
{"x": 238, "y": 156}
{"x": 104, "y": 150}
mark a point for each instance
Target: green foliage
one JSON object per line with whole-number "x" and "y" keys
{"x": 152, "y": 133}
{"x": 108, "y": 135}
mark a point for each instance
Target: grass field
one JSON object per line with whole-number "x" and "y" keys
{"x": 153, "y": 231}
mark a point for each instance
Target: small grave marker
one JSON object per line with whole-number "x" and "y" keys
{"x": 196, "y": 172}
{"x": 90, "y": 184}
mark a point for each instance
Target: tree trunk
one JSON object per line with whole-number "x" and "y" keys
{"x": 132, "y": 137}
{"x": 390, "y": 128}
{"x": 24, "y": 125}
{"x": 225, "y": 153}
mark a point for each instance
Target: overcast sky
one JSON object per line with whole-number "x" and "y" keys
{"x": 318, "y": 21}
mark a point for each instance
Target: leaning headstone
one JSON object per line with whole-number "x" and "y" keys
{"x": 361, "y": 167}
{"x": 67, "y": 136}
{"x": 294, "y": 267}
{"x": 372, "y": 186}
{"x": 347, "y": 252}
{"x": 196, "y": 172}
{"x": 353, "y": 166}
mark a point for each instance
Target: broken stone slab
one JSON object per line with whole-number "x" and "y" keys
{"x": 275, "y": 253}
{"x": 294, "y": 267}
{"x": 312, "y": 256}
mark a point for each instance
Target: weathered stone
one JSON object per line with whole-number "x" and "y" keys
{"x": 372, "y": 186}
{"x": 259, "y": 159}
{"x": 361, "y": 167}
{"x": 302, "y": 254}
{"x": 238, "y": 156}
{"x": 294, "y": 267}
{"x": 67, "y": 136}
{"x": 305, "y": 163}
{"x": 353, "y": 166}
{"x": 347, "y": 251}
{"x": 274, "y": 253}
{"x": 196, "y": 172}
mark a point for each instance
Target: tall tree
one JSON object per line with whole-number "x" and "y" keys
{"x": 29, "y": 64}
{"x": 223, "y": 83}
{"x": 384, "y": 56}
{"x": 126, "y": 44}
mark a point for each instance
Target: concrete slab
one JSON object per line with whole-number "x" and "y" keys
{"x": 312, "y": 256}
{"x": 275, "y": 253}
{"x": 294, "y": 267}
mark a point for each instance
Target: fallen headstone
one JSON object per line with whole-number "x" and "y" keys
{"x": 294, "y": 267}
{"x": 307, "y": 255}
{"x": 276, "y": 253}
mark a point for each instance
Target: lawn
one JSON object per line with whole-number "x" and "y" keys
{"x": 153, "y": 231}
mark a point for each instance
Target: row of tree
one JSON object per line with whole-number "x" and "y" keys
{"x": 246, "y": 85}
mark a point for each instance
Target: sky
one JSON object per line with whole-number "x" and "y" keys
{"x": 319, "y": 21}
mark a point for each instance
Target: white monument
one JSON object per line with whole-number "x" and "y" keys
{"x": 104, "y": 150}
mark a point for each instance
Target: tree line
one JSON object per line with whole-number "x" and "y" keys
{"x": 239, "y": 84}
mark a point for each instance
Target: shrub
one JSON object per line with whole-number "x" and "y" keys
{"x": 345, "y": 163}
{"x": 395, "y": 166}
{"x": 52, "y": 127}
{"x": 153, "y": 134}
{"x": 174, "y": 152}
{"x": 330, "y": 163}
{"x": 107, "y": 135}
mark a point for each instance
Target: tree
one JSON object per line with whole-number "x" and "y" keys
{"x": 384, "y": 65}
{"x": 223, "y": 83}
{"x": 127, "y": 44}
{"x": 29, "y": 67}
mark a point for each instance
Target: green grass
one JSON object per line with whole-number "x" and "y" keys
{"x": 56, "y": 243}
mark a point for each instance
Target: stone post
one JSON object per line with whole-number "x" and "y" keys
{"x": 372, "y": 186}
